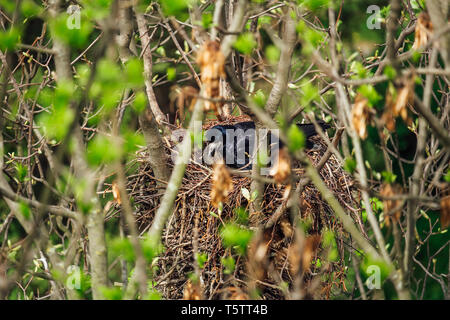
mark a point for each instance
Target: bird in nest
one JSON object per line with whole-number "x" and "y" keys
{"x": 234, "y": 143}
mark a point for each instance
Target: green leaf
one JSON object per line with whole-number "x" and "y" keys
{"x": 56, "y": 124}
{"x": 132, "y": 141}
{"x": 29, "y": 8}
{"x": 447, "y": 176}
{"x": 311, "y": 38}
{"x": 359, "y": 69}
{"x": 416, "y": 55}
{"x": 151, "y": 248}
{"x": 245, "y": 43}
{"x": 369, "y": 92}
{"x": 134, "y": 73}
{"x": 254, "y": 195}
{"x": 8, "y": 5}
{"x": 109, "y": 73}
{"x": 177, "y": 8}
{"x": 123, "y": 247}
{"x": 350, "y": 165}
{"x": 140, "y": 102}
{"x": 171, "y": 74}
{"x": 83, "y": 74}
{"x": 64, "y": 94}
{"x": 259, "y": 98}
{"x": 207, "y": 20}
{"x": 262, "y": 159}
{"x": 110, "y": 98}
{"x": 9, "y": 39}
{"x": 97, "y": 9}
{"x": 296, "y": 138}
{"x": 328, "y": 238}
{"x": 272, "y": 54}
{"x": 364, "y": 215}
{"x": 153, "y": 294}
{"x": 388, "y": 177}
{"x": 310, "y": 93}
{"x": 161, "y": 51}
{"x": 213, "y": 214}
{"x": 390, "y": 72}
{"x": 109, "y": 82}
{"x": 21, "y": 172}
{"x": 101, "y": 150}
{"x": 113, "y": 293}
{"x": 236, "y": 237}
{"x": 318, "y": 263}
{"x": 202, "y": 258}
{"x": 241, "y": 216}
{"x": 229, "y": 264}
{"x": 377, "y": 205}
{"x": 333, "y": 255}
{"x": 45, "y": 97}
{"x": 79, "y": 187}
{"x": 329, "y": 241}
{"x": 315, "y": 5}
{"x": 25, "y": 210}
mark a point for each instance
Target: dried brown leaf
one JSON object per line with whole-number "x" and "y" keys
{"x": 192, "y": 291}
{"x": 294, "y": 258}
{"x": 116, "y": 193}
{"x": 392, "y": 208}
{"x": 258, "y": 261}
{"x": 212, "y": 65}
{"x": 398, "y": 99}
{"x": 286, "y": 227}
{"x": 361, "y": 115}
{"x": 423, "y": 31}
{"x": 309, "y": 251}
{"x": 222, "y": 184}
{"x": 281, "y": 171}
{"x": 235, "y": 293}
{"x": 183, "y": 97}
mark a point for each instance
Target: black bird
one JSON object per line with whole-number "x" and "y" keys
{"x": 235, "y": 143}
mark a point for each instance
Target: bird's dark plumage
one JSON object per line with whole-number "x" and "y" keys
{"x": 234, "y": 143}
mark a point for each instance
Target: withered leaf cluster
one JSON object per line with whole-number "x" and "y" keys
{"x": 183, "y": 97}
{"x": 116, "y": 193}
{"x": 300, "y": 258}
{"x": 392, "y": 208}
{"x": 398, "y": 97}
{"x": 361, "y": 115}
{"x": 212, "y": 65}
{"x": 309, "y": 251}
{"x": 281, "y": 171}
{"x": 192, "y": 291}
{"x": 222, "y": 184}
{"x": 258, "y": 260}
{"x": 424, "y": 29}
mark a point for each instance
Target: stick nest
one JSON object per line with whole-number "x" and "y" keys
{"x": 195, "y": 226}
